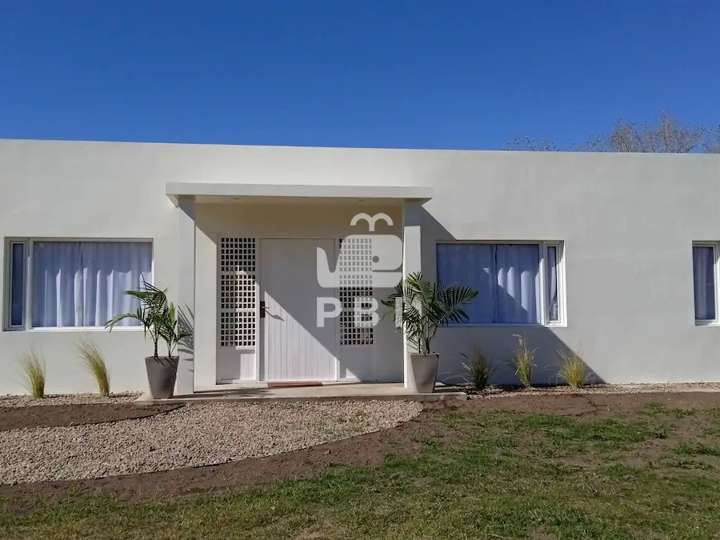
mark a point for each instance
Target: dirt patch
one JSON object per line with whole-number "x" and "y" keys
{"x": 51, "y": 400}
{"x": 582, "y": 404}
{"x": 366, "y": 450}
{"x": 74, "y": 415}
{"x": 561, "y": 404}
{"x": 603, "y": 388}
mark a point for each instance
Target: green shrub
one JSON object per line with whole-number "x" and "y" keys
{"x": 573, "y": 370}
{"x": 95, "y": 363}
{"x": 478, "y": 370}
{"x": 524, "y": 361}
{"x": 427, "y": 307}
{"x": 33, "y": 368}
{"x": 159, "y": 317}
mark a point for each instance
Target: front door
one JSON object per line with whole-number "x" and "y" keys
{"x": 294, "y": 347}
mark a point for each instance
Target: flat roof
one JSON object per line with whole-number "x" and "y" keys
{"x": 216, "y": 190}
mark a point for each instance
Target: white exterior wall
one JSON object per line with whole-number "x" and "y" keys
{"x": 627, "y": 220}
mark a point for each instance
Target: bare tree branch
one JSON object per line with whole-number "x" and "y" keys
{"x": 666, "y": 135}
{"x": 712, "y": 143}
{"x": 532, "y": 145}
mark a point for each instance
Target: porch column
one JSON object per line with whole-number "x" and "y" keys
{"x": 412, "y": 262}
{"x": 186, "y": 288}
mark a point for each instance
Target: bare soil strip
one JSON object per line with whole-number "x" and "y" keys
{"x": 74, "y": 415}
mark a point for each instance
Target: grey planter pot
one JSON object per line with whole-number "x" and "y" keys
{"x": 161, "y": 374}
{"x": 422, "y": 373}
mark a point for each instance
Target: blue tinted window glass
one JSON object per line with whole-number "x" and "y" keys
{"x": 505, "y": 276}
{"x": 17, "y": 284}
{"x": 704, "y": 282}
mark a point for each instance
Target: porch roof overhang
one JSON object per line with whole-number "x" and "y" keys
{"x": 218, "y": 191}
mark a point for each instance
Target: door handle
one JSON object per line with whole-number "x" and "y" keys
{"x": 262, "y": 309}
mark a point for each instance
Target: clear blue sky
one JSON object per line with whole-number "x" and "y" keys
{"x": 438, "y": 74}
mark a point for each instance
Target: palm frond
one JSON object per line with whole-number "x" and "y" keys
{"x": 157, "y": 316}
{"x": 136, "y": 316}
{"x": 427, "y": 307}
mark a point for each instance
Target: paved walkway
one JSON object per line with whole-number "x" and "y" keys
{"x": 333, "y": 391}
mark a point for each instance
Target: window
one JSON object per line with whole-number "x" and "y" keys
{"x": 704, "y": 281}
{"x": 516, "y": 283}
{"x": 551, "y": 280}
{"x": 75, "y": 284}
{"x": 16, "y": 270}
{"x": 355, "y": 267}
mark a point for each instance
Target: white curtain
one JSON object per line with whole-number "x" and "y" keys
{"x": 704, "y": 282}
{"x": 470, "y": 265}
{"x": 84, "y": 283}
{"x": 506, "y": 277}
{"x": 518, "y": 298}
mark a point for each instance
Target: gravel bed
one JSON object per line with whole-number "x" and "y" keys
{"x": 66, "y": 399}
{"x": 194, "y": 435}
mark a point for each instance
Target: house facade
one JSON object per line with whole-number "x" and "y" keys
{"x": 279, "y": 257}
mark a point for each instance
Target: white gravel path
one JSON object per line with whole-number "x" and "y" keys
{"x": 198, "y": 434}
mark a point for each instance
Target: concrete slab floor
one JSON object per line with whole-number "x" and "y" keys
{"x": 331, "y": 392}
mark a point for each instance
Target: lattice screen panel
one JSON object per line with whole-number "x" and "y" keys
{"x": 238, "y": 295}
{"x": 355, "y": 269}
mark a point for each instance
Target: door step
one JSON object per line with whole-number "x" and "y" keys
{"x": 292, "y": 384}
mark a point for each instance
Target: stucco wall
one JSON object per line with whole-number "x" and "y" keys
{"x": 627, "y": 221}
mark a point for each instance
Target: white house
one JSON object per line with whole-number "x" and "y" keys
{"x": 612, "y": 256}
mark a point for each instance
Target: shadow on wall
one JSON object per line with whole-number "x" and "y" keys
{"x": 186, "y": 347}
{"x": 496, "y": 342}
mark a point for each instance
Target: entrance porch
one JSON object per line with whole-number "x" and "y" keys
{"x": 270, "y": 274}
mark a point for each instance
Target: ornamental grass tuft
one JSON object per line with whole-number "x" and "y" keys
{"x": 573, "y": 370}
{"x": 478, "y": 370}
{"x": 95, "y": 363}
{"x": 524, "y": 361}
{"x": 33, "y": 368}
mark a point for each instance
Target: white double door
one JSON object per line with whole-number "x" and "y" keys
{"x": 294, "y": 347}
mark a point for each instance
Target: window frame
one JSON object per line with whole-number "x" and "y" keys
{"x": 560, "y": 269}
{"x": 542, "y": 246}
{"x": 716, "y": 269}
{"x": 8, "y": 268}
{"x": 28, "y": 268}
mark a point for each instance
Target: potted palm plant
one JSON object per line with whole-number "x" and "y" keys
{"x": 426, "y": 307}
{"x": 159, "y": 319}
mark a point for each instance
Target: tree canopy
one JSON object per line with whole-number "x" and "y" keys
{"x": 664, "y": 135}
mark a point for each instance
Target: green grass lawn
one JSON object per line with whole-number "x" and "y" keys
{"x": 654, "y": 473}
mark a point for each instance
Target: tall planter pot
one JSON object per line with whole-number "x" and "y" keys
{"x": 161, "y": 374}
{"x": 422, "y": 373}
